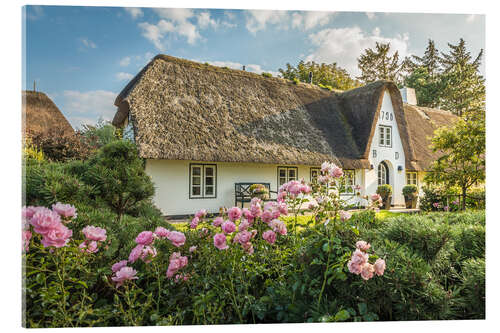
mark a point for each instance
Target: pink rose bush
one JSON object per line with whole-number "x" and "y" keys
{"x": 176, "y": 263}
{"x": 66, "y": 211}
{"x": 49, "y": 225}
{"x": 360, "y": 265}
{"x": 93, "y": 236}
{"x": 124, "y": 274}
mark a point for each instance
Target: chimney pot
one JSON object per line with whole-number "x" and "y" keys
{"x": 408, "y": 95}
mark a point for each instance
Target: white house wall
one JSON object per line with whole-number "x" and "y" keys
{"x": 397, "y": 179}
{"x": 171, "y": 180}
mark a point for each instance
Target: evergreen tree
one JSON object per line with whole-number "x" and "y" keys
{"x": 328, "y": 75}
{"x": 463, "y": 86}
{"x": 431, "y": 60}
{"x": 378, "y": 65}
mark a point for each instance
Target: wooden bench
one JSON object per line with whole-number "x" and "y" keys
{"x": 242, "y": 192}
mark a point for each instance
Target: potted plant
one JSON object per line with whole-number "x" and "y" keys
{"x": 410, "y": 194}
{"x": 259, "y": 191}
{"x": 385, "y": 191}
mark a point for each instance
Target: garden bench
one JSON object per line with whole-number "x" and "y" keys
{"x": 242, "y": 192}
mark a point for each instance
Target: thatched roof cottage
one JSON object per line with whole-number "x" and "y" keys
{"x": 204, "y": 129}
{"x": 40, "y": 115}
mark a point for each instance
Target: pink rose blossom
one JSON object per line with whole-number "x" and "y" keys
{"x": 94, "y": 233}
{"x": 220, "y": 241}
{"x": 26, "y": 237}
{"x": 65, "y": 210}
{"x": 194, "y": 222}
{"x": 359, "y": 257}
{"x": 192, "y": 248}
{"x": 244, "y": 225}
{"x": 244, "y": 236}
{"x": 281, "y": 196}
{"x": 177, "y": 238}
{"x": 119, "y": 265}
{"x": 336, "y": 172}
{"x": 161, "y": 232}
{"x": 124, "y": 274}
{"x": 44, "y": 220}
{"x": 28, "y": 212}
{"x": 267, "y": 216}
{"x": 228, "y": 227}
{"x": 218, "y": 221}
{"x": 283, "y": 209}
{"x": 363, "y": 246}
{"x": 353, "y": 267}
{"x": 135, "y": 253}
{"x": 248, "y": 215}
{"x": 201, "y": 213}
{"x": 255, "y": 210}
{"x": 379, "y": 266}
{"x": 248, "y": 247}
{"x": 344, "y": 216}
{"x": 234, "y": 213}
{"x": 367, "y": 271}
{"x": 278, "y": 226}
{"x": 255, "y": 201}
{"x": 145, "y": 238}
{"x": 269, "y": 236}
{"x": 148, "y": 253}
{"x": 176, "y": 263}
{"x": 58, "y": 236}
{"x": 306, "y": 189}
{"x": 376, "y": 197}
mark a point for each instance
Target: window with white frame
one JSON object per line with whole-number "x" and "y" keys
{"x": 385, "y": 136}
{"x": 411, "y": 178}
{"x": 348, "y": 182}
{"x": 315, "y": 172}
{"x": 203, "y": 181}
{"x": 286, "y": 174}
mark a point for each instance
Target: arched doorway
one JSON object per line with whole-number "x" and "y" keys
{"x": 383, "y": 173}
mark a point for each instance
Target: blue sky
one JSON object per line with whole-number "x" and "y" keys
{"x": 83, "y": 56}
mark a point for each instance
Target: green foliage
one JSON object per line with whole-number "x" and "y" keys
{"x": 409, "y": 190}
{"x": 384, "y": 190}
{"x": 462, "y": 149}
{"x": 378, "y": 64}
{"x": 329, "y": 76}
{"x": 473, "y": 280}
{"x": 119, "y": 177}
{"x": 265, "y": 74}
{"x": 100, "y": 134}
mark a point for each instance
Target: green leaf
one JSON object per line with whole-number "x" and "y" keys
{"x": 362, "y": 308}
{"x": 342, "y": 315}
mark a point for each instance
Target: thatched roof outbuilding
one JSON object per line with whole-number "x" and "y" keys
{"x": 40, "y": 115}
{"x": 183, "y": 110}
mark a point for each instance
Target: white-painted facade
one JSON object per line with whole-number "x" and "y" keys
{"x": 172, "y": 178}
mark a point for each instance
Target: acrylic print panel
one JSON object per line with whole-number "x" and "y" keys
{"x": 189, "y": 166}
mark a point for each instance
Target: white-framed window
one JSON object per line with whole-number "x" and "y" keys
{"x": 385, "y": 136}
{"x": 383, "y": 174}
{"x": 411, "y": 178}
{"x": 347, "y": 186}
{"x": 202, "y": 181}
{"x": 286, "y": 174}
{"x": 315, "y": 172}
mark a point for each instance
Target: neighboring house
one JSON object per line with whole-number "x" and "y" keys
{"x": 201, "y": 129}
{"x": 40, "y": 115}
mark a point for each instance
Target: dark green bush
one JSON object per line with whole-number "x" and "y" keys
{"x": 473, "y": 287}
{"x": 409, "y": 190}
{"x": 264, "y": 74}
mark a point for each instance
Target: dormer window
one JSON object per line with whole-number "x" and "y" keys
{"x": 385, "y": 136}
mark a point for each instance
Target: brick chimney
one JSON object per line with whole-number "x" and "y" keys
{"x": 408, "y": 95}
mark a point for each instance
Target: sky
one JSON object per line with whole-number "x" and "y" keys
{"x": 82, "y": 57}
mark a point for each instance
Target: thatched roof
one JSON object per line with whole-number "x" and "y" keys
{"x": 422, "y": 122}
{"x": 40, "y": 114}
{"x": 183, "y": 110}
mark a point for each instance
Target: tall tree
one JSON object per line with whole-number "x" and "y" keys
{"x": 425, "y": 76}
{"x": 463, "y": 86}
{"x": 379, "y": 65}
{"x": 330, "y": 75}
{"x": 462, "y": 161}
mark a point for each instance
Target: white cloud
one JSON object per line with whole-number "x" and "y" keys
{"x": 125, "y": 62}
{"x": 345, "y": 45}
{"x": 175, "y": 14}
{"x": 134, "y": 12}
{"x": 205, "y": 21}
{"x": 470, "y": 18}
{"x": 370, "y": 15}
{"x": 259, "y": 19}
{"x": 87, "y": 43}
{"x": 309, "y": 20}
{"x": 89, "y": 106}
{"x": 154, "y": 33}
{"x": 122, "y": 76}
{"x": 236, "y": 65}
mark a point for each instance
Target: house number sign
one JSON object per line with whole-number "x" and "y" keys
{"x": 386, "y": 115}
